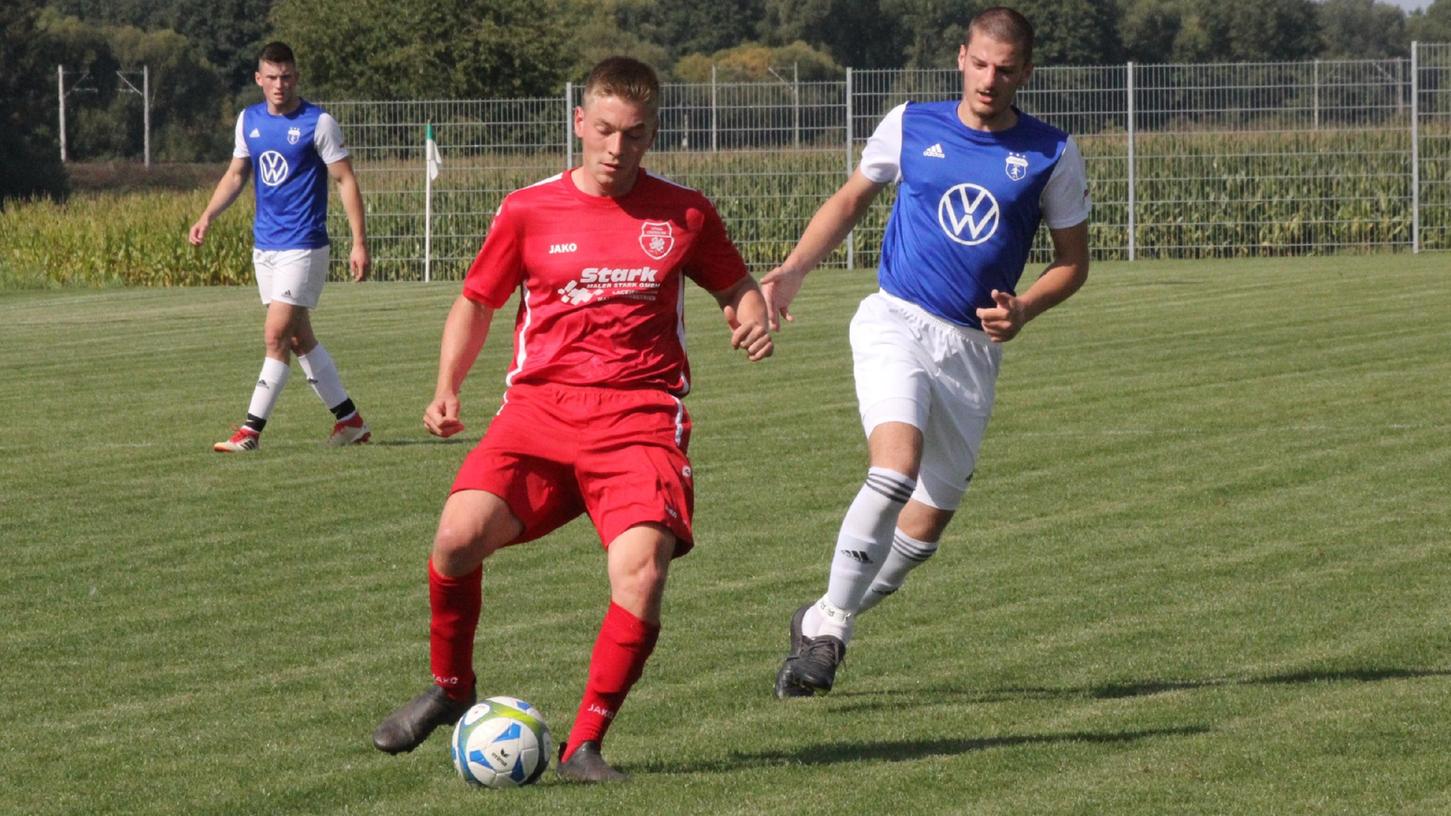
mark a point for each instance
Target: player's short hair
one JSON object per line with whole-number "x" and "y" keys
{"x": 277, "y": 53}
{"x": 626, "y": 78}
{"x": 1004, "y": 25}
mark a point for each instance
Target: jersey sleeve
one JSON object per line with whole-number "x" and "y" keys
{"x": 715, "y": 263}
{"x": 499, "y": 267}
{"x": 1065, "y": 201}
{"x": 882, "y": 157}
{"x": 327, "y": 137}
{"x": 239, "y": 142}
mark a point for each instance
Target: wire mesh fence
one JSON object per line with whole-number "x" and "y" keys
{"x": 1184, "y": 161}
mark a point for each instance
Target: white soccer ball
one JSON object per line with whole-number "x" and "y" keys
{"x": 502, "y": 742}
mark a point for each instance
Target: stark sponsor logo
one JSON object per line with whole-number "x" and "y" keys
{"x": 605, "y": 274}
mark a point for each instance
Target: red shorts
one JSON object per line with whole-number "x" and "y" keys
{"x": 553, "y": 452}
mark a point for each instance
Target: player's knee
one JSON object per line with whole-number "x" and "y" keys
{"x": 457, "y": 551}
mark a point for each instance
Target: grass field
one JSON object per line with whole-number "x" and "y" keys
{"x": 1203, "y": 568}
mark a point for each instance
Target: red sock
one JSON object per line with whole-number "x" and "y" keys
{"x": 455, "y": 605}
{"x": 624, "y": 644}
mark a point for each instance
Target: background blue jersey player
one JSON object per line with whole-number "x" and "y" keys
{"x": 291, "y": 147}
{"x": 975, "y": 178}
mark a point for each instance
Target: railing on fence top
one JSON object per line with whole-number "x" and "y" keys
{"x": 1218, "y": 160}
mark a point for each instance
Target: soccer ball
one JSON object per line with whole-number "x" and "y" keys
{"x": 503, "y": 742}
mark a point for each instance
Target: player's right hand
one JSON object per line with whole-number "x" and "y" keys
{"x": 198, "y": 233}
{"x": 441, "y": 417}
{"x": 779, "y": 288}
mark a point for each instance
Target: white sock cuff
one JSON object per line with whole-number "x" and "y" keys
{"x": 896, "y": 487}
{"x": 912, "y": 549}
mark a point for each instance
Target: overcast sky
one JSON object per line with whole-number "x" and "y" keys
{"x": 1410, "y": 5}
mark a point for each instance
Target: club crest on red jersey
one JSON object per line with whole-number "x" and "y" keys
{"x": 657, "y": 239}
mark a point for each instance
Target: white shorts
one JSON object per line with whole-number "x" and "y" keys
{"x": 938, "y": 377}
{"x": 292, "y": 276}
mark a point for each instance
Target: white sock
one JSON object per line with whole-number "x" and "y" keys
{"x": 322, "y": 375}
{"x": 907, "y": 554}
{"x": 269, "y": 387}
{"x": 861, "y": 547}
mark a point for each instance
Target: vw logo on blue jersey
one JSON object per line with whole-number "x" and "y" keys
{"x": 968, "y": 214}
{"x": 273, "y": 168}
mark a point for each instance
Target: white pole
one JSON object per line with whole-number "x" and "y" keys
{"x": 850, "y": 236}
{"x": 427, "y": 217}
{"x": 60, "y": 80}
{"x": 1133, "y": 245}
{"x": 146, "y": 111}
{"x": 1415, "y": 150}
{"x": 714, "y": 146}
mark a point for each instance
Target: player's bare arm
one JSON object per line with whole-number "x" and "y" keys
{"x": 827, "y": 229}
{"x": 745, "y": 312}
{"x": 233, "y": 181}
{"x": 464, "y": 333}
{"x": 1065, "y": 275}
{"x": 352, "y": 198}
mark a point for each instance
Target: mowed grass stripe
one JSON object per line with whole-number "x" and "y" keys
{"x": 1199, "y": 570}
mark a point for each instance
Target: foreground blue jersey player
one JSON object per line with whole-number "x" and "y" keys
{"x": 975, "y": 178}
{"x": 291, "y": 147}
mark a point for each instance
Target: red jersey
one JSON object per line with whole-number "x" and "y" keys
{"x": 603, "y": 300}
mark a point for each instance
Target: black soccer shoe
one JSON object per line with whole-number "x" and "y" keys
{"x": 407, "y": 728}
{"x": 588, "y": 766}
{"x": 786, "y": 686}
{"x": 815, "y": 667}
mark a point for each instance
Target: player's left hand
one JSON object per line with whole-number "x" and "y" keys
{"x": 753, "y": 337}
{"x": 359, "y": 262}
{"x": 1002, "y": 322}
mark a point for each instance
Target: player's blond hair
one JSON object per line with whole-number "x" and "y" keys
{"x": 624, "y": 78}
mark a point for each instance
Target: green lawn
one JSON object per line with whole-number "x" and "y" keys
{"x": 1203, "y": 568}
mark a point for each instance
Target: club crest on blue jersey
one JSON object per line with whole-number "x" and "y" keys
{"x": 657, "y": 239}
{"x": 293, "y": 134}
{"x": 968, "y": 213}
{"x": 273, "y": 168}
{"x": 1016, "y": 166}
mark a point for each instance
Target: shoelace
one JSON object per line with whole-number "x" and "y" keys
{"x": 822, "y": 650}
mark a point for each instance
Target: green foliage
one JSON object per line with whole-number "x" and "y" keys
{"x": 29, "y": 152}
{"x": 1433, "y": 24}
{"x": 1361, "y": 29}
{"x": 754, "y": 62}
{"x": 443, "y": 49}
{"x": 1201, "y": 569}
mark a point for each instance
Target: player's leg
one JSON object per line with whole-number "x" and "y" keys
{"x": 275, "y": 360}
{"x": 894, "y": 395}
{"x": 638, "y": 560}
{"x": 963, "y": 395}
{"x": 322, "y": 373}
{"x": 473, "y": 525}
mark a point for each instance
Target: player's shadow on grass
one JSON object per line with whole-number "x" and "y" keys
{"x": 855, "y": 700}
{"x": 904, "y": 750}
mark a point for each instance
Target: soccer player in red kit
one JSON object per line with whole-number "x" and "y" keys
{"x": 592, "y": 420}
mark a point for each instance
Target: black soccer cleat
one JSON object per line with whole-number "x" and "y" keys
{"x": 407, "y": 728}
{"x": 588, "y": 766}
{"x": 810, "y": 668}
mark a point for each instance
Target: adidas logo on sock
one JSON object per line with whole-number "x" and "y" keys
{"x": 859, "y": 556}
{"x": 263, "y": 384}
{"x": 935, "y": 152}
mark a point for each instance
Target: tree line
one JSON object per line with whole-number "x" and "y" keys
{"x": 201, "y": 55}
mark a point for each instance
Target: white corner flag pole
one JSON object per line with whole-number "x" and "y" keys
{"x": 431, "y": 164}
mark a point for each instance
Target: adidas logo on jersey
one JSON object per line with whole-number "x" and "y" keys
{"x": 935, "y": 152}
{"x": 255, "y": 134}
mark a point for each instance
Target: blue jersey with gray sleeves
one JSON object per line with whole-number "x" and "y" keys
{"x": 289, "y": 155}
{"x": 968, "y": 204}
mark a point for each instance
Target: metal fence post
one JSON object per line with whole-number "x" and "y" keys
{"x": 1415, "y": 149}
{"x": 850, "y": 236}
{"x": 714, "y": 146}
{"x": 1316, "y": 93}
{"x": 146, "y": 111}
{"x": 568, "y": 121}
{"x": 1130, "y": 94}
{"x": 60, "y": 96}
